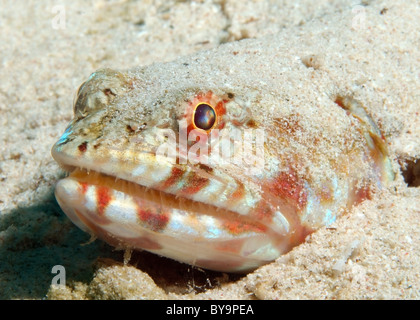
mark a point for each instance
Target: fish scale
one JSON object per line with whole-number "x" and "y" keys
{"x": 209, "y": 202}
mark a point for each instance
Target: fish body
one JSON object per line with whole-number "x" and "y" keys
{"x": 213, "y": 159}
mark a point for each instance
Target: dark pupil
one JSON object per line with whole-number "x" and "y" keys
{"x": 204, "y": 117}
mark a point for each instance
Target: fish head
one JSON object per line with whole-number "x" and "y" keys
{"x": 165, "y": 172}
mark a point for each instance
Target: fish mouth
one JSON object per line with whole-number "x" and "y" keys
{"x": 147, "y": 188}
{"x": 202, "y": 217}
{"x": 88, "y": 177}
{"x": 129, "y": 215}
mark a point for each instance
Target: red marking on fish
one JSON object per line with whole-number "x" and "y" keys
{"x": 103, "y": 197}
{"x": 176, "y": 175}
{"x": 290, "y": 188}
{"x": 152, "y": 216}
{"x": 194, "y": 184}
{"x": 83, "y": 187}
{"x": 220, "y": 109}
{"x": 239, "y": 193}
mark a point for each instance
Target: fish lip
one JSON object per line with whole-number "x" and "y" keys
{"x": 149, "y": 193}
{"x": 81, "y": 174}
{"x": 69, "y": 163}
{"x": 74, "y": 216}
{"x": 72, "y": 164}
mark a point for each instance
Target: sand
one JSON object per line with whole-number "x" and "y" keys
{"x": 49, "y": 49}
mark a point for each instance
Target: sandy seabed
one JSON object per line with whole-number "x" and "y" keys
{"x": 48, "y": 49}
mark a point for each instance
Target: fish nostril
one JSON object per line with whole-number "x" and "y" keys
{"x": 134, "y": 127}
{"x": 83, "y": 147}
{"x": 130, "y": 128}
{"x": 108, "y": 92}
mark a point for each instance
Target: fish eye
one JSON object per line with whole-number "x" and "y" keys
{"x": 204, "y": 117}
